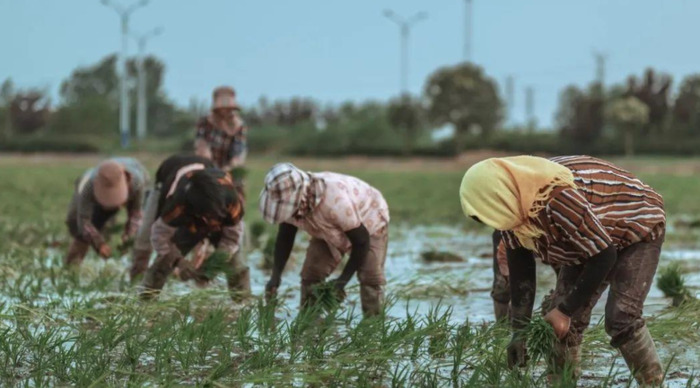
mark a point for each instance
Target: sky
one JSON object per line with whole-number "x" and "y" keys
{"x": 333, "y": 50}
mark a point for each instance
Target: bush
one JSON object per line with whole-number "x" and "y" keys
{"x": 52, "y": 144}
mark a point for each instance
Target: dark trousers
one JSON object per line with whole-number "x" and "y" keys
{"x": 630, "y": 281}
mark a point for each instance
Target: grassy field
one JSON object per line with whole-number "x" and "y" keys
{"x": 86, "y": 328}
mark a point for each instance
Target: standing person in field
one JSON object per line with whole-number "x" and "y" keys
{"x": 99, "y": 194}
{"x": 192, "y": 200}
{"x": 221, "y": 136}
{"x": 599, "y": 223}
{"x": 342, "y": 214}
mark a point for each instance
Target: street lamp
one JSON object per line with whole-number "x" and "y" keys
{"x": 142, "y": 104}
{"x": 124, "y": 13}
{"x": 405, "y": 29}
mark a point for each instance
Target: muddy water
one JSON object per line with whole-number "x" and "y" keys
{"x": 418, "y": 286}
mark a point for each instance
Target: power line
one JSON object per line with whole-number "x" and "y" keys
{"x": 405, "y": 26}
{"x": 124, "y": 14}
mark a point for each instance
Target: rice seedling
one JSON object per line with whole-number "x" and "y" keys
{"x": 540, "y": 339}
{"x": 215, "y": 264}
{"x": 672, "y": 283}
{"x": 441, "y": 257}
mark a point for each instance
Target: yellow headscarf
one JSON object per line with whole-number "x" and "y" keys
{"x": 504, "y": 193}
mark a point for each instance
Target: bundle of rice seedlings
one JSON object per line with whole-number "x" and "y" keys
{"x": 540, "y": 339}
{"x": 326, "y": 296}
{"x": 268, "y": 255}
{"x": 672, "y": 283}
{"x": 441, "y": 257}
{"x": 257, "y": 230}
{"x": 238, "y": 173}
{"x": 216, "y": 263}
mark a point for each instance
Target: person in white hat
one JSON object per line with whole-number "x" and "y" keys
{"x": 99, "y": 194}
{"x": 343, "y": 215}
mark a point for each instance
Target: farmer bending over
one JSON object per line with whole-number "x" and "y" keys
{"x": 191, "y": 201}
{"x": 98, "y": 195}
{"x": 342, "y": 214}
{"x": 601, "y": 224}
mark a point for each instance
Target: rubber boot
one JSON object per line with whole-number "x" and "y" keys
{"x": 139, "y": 263}
{"x": 565, "y": 359}
{"x": 501, "y": 310}
{"x": 640, "y": 355}
{"x": 156, "y": 276}
{"x": 239, "y": 285}
{"x": 76, "y": 252}
{"x": 372, "y": 298}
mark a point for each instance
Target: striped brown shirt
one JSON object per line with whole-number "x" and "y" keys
{"x": 610, "y": 206}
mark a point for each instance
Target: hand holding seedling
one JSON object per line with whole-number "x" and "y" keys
{"x": 271, "y": 289}
{"x": 339, "y": 288}
{"x": 105, "y": 251}
{"x": 559, "y": 321}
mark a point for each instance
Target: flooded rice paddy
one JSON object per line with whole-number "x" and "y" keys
{"x": 415, "y": 287}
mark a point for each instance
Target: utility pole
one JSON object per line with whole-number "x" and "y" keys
{"x": 124, "y": 14}
{"x": 600, "y": 60}
{"x": 405, "y": 26}
{"x": 530, "y": 108}
{"x": 142, "y": 104}
{"x": 468, "y": 30}
{"x": 510, "y": 98}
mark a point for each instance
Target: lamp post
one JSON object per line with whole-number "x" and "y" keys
{"x": 405, "y": 26}
{"x": 142, "y": 103}
{"x": 124, "y": 14}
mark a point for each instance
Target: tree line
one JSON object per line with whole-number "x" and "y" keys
{"x": 642, "y": 114}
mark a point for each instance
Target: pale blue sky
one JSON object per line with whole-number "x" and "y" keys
{"x": 334, "y": 50}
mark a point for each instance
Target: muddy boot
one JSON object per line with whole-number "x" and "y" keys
{"x": 372, "y": 298}
{"x": 565, "y": 360}
{"x": 640, "y": 355}
{"x": 139, "y": 264}
{"x": 76, "y": 253}
{"x": 156, "y": 276}
{"x": 239, "y": 285}
{"x": 501, "y": 310}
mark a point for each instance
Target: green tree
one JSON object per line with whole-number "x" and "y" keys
{"x": 628, "y": 115}
{"x": 465, "y": 97}
{"x": 686, "y": 107}
{"x": 654, "y": 91}
{"x": 579, "y": 117}
{"x": 407, "y": 118}
{"x": 7, "y": 93}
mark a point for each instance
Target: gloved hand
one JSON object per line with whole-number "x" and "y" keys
{"x": 517, "y": 351}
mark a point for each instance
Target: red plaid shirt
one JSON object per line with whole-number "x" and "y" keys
{"x": 227, "y": 150}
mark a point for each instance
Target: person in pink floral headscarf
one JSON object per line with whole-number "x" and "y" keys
{"x": 342, "y": 214}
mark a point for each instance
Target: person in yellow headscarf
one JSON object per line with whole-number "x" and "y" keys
{"x": 597, "y": 222}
